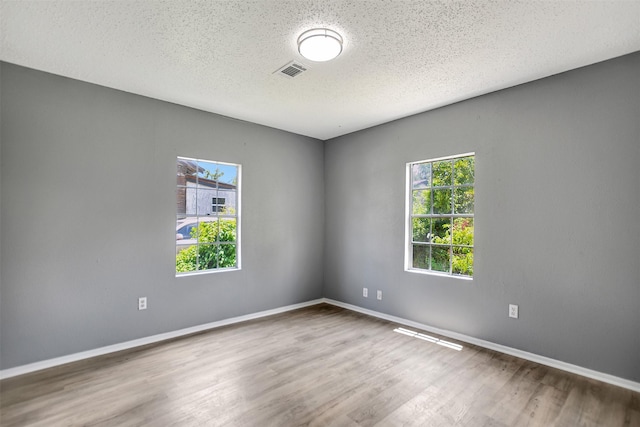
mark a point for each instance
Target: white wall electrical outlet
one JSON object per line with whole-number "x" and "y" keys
{"x": 513, "y": 311}
{"x": 365, "y": 292}
{"x": 142, "y": 303}
{"x": 379, "y": 296}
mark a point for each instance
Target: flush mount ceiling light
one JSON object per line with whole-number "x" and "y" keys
{"x": 320, "y": 44}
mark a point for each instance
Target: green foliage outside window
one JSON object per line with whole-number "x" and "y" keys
{"x": 462, "y": 234}
{"x": 211, "y": 252}
{"x": 442, "y": 206}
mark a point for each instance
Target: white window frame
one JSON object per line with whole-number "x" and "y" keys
{"x": 237, "y": 216}
{"x": 408, "y": 255}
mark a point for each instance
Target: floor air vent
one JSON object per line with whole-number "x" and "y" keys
{"x": 291, "y": 69}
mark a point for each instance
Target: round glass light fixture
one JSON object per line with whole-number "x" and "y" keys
{"x": 320, "y": 44}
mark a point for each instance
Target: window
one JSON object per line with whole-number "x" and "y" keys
{"x": 217, "y": 204}
{"x": 208, "y": 216}
{"x": 440, "y": 215}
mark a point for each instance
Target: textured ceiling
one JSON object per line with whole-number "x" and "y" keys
{"x": 399, "y": 57}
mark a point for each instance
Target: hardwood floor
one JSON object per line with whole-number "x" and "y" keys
{"x": 317, "y": 366}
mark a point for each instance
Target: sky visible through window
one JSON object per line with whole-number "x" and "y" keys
{"x": 229, "y": 173}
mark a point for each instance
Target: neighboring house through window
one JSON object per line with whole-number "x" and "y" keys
{"x": 440, "y": 205}
{"x": 208, "y": 216}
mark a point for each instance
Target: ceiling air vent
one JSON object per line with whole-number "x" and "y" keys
{"x": 291, "y": 69}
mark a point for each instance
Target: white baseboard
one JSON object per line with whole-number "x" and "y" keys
{"x": 589, "y": 373}
{"x": 610, "y": 379}
{"x": 44, "y": 364}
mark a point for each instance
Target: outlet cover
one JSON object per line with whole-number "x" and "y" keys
{"x": 365, "y": 292}
{"x": 513, "y": 311}
{"x": 142, "y": 303}
{"x": 379, "y": 296}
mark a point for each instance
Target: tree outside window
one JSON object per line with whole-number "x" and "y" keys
{"x": 441, "y": 215}
{"x": 207, "y": 216}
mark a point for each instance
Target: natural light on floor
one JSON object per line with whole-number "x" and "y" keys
{"x": 424, "y": 337}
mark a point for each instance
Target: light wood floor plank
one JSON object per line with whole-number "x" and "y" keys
{"x": 317, "y": 366}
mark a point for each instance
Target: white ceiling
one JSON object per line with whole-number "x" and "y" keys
{"x": 399, "y": 57}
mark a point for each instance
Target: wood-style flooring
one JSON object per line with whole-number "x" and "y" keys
{"x": 317, "y": 366}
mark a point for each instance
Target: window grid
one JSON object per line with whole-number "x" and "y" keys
{"x": 214, "y": 216}
{"x": 450, "y": 240}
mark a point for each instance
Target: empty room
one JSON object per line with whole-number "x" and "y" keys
{"x": 261, "y": 213}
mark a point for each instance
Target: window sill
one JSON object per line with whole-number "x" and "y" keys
{"x": 212, "y": 271}
{"x": 434, "y": 273}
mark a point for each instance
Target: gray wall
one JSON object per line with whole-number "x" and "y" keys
{"x": 557, "y": 230}
{"x": 88, "y": 217}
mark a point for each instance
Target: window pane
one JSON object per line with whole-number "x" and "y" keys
{"x": 421, "y": 256}
{"x": 229, "y": 201}
{"x": 421, "y": 202}
{"x": 226, "y": 255}
{"x": 186, "y": 229}
{"x": 186, "y": 171}
{"x": 190, "y": 200}
{"x": 207, "y": 256}
{"x": 186, "y": 258}
{"x": 421, "y": 229}
{"x": 464, "y": 171}
{"x": 462, "y": 262}
{"x": 207, "y": 229}
{"x": 442, "y": 201}
{"x": 421, "y": 175}
{"x": 228, "y": 175}
{"x": 208, "y": 172}
{"x": 227, "y": 231}
{"x": 463, "y": 231}
{"x": 442, "y": 231}
{"x": 463, "y": 200}
{"x": 442, "y": 173}
{"x": 180, "y": 248}
{"x": 205, "y": 200}
{"x": 181, "y": 201}
{"x": 440, "y": 258}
